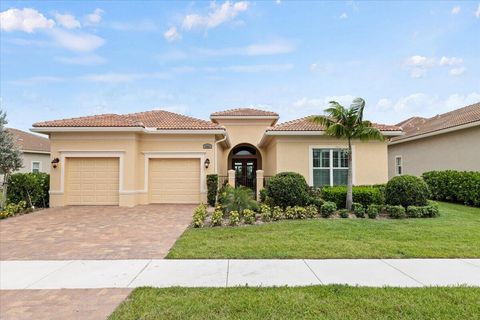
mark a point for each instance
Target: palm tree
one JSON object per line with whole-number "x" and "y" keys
{"x": 348, "y": 124}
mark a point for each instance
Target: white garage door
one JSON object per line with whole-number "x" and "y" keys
{"x": 174, "y": 180}
{"x": 92, "y": 181}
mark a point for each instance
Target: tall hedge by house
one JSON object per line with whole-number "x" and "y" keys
{"x": 407, "y": 191}
{"x": 366, "y": 195}
{"x": 29, "y": 187}
{"x": 212, "y": 189}
{"x": 454, "y": 186}
{"x": 287, "y": 189}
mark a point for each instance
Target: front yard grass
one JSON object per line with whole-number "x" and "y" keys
{"x": 315, "y": 302}
{"x": 455, "y": 234}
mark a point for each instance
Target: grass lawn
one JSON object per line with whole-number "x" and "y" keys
{"x": 455, "y": 234}
{"x": 316, "y": 302}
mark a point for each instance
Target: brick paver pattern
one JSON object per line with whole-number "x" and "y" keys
{"x": 94, "y": 232}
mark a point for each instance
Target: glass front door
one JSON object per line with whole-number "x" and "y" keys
{"x": 245, "y": 172}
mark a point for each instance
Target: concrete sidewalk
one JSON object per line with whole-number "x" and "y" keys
{"x": 87, "y": 274}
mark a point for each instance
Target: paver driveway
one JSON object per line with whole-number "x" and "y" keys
{"x": 94, "y": 232}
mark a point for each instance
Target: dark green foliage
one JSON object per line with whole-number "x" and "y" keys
{"x": 29, "y": 187}
{"x": 263, "y": 195}
{"x": 287, "y": 189}
{"x": 414, "y": 212}
{"x": 395, "y": 212}
{"x": 312, "y": 211}
{"x": 343, "y": 213}
{"x": 407, "y": 191}
{"x": 429, "y": 211}
{"x": 238, "y": 199}
{"x": 454, "y": 186}
{"x": 365, "y": 195}
{"x": 373, "y": 211}
{"x": 212, "y": 186}
{"x": 358, "y": 210}
{"x": 328, "y": 208}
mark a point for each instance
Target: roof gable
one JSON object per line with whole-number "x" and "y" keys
{"x": 29, "y": 141}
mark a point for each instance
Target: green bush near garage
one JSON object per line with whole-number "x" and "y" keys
{"x": 365, "y": 195}
{"x": 212, "y": 189}
{"x": 29, "y": 187}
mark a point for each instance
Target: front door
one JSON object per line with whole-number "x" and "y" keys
{"x": 245, "y": 172}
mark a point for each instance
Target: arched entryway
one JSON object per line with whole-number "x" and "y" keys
{"x": 245, "y": 159}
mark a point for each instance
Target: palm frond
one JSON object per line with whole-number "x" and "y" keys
{"x": 368, "y": 133}
{"x": 358, "y": 104}
{"x": 338, "y": 130}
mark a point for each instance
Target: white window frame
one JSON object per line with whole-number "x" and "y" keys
{"x": 39, "y": 166}
{"x": 398, "y": 166}
{"x": 331, "y": 148}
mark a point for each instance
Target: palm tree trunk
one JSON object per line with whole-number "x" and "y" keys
{"x": 349, "y": 178}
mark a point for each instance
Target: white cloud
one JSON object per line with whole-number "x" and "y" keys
{"x": 457, "y": 71}
{"x": 259, "y": 68}
{"x": 82, "y": 60}
{"x": 37, "y": 80}
{"x": 172, "y": 34}
{"x": 420, "y": 61}
{"x": 67, "y": 20}
{"x": 384, "y": 104}
{"x": 121, "y": 77}
{"x": 95, "y": 17}
{"x": 76, "y": 41}
{"x": 477, "y": 12}
{"x": 278, "y": 1}
{"x": 343, "y": 16}
{"x": 456, "y": 10}
{"x": 218, "y": 14}
{"x": 27, "y": 20}
{"x": 452, "y": 61}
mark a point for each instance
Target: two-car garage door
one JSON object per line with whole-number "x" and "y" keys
{"x": 95, "y": 181}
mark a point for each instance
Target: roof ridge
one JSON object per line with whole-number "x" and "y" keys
{"x": 233, "y": 110}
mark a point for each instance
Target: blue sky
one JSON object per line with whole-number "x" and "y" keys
{"x": 65, "y": 59}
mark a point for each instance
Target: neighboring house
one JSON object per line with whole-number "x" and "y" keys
{"x": 35, "y": 151}
{"x": 446, "y": 141}
{"x": 163, "y": 157}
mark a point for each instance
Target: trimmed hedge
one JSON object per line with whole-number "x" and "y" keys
{"x": 287, "y": 189}
{"x": 407, "y": 191}
{"x": 454, "y": 186}
{"x": 29, "y": 187}
{"x": 365, "y": 195}
{"x": 212, "y": 187}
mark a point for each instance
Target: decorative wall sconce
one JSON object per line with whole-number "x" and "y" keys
{"x": 207, "y": 163}
{"x": 55, "y": 162}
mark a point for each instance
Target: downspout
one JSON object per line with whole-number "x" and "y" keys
{"x": 215, "y": 150}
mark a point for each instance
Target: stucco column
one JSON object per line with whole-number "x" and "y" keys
{"x": 231, "y": 178}
{"x": 259, "y": 183}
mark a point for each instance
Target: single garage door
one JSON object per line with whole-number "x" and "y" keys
{"x": 174, "y": 180}
{"x": 92, "y": 181}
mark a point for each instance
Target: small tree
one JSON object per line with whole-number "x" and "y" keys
{"x": 10, "y": 155}
{"x": 348, "y": 124}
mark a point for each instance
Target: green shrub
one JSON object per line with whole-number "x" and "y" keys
{"x": 223, "y": 193}
{"x": 265, "y": 213}
{"x": 234, "y": 218}
{"x": 428, "y": 211}
{"x": 372, "y": 211}
{"x": 290, "y": 213}
{"x": 358, "y": 210}
{"x": 217, "y": 217}
{"x": 328, "y": 208}
{"x": 238, "y": 199}
{"x": 199, "y": 216}
{"x": 365, "y": 195}
{"x": 407, "y": 191}
{"x": 212, "y": 187}
{"x": 432, "y": 210}
{"x": 415, "y": 211}
{"x": 300, "y": 212}
{"x": 248, "y": 216}
{"x": 263, "y": 195}
{"x": 454, "y": 186}
{"x": 12, "y": 209}
{"x": 311, "y": 211}
{"x": 287, "y": 189}
{"x": 395, "y": 212}
{"x": 29, "y": 187}
{"x": 343, "y": 213}
{"x": 277, "y": 213}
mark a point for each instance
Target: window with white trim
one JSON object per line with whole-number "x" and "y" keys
{"x": 398, "y": 165}
{"x": 330, "y": 167}
{"x": 35, "y": 166}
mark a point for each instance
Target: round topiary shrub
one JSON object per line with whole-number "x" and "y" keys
{"x": 288, "y": 189}
{"x": 407, "y": 191}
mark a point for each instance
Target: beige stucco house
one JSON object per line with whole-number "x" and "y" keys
{"x": 163, "y": 157}
{"x": 449, "y": 141}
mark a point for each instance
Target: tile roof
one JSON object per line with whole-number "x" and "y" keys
{"x": 416, "y": 126}
{"x": 244, "y": 112}
{"x": 160, "y": 119}
{"x": 304, "y": 124}
{"x": 29, "y": 141}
